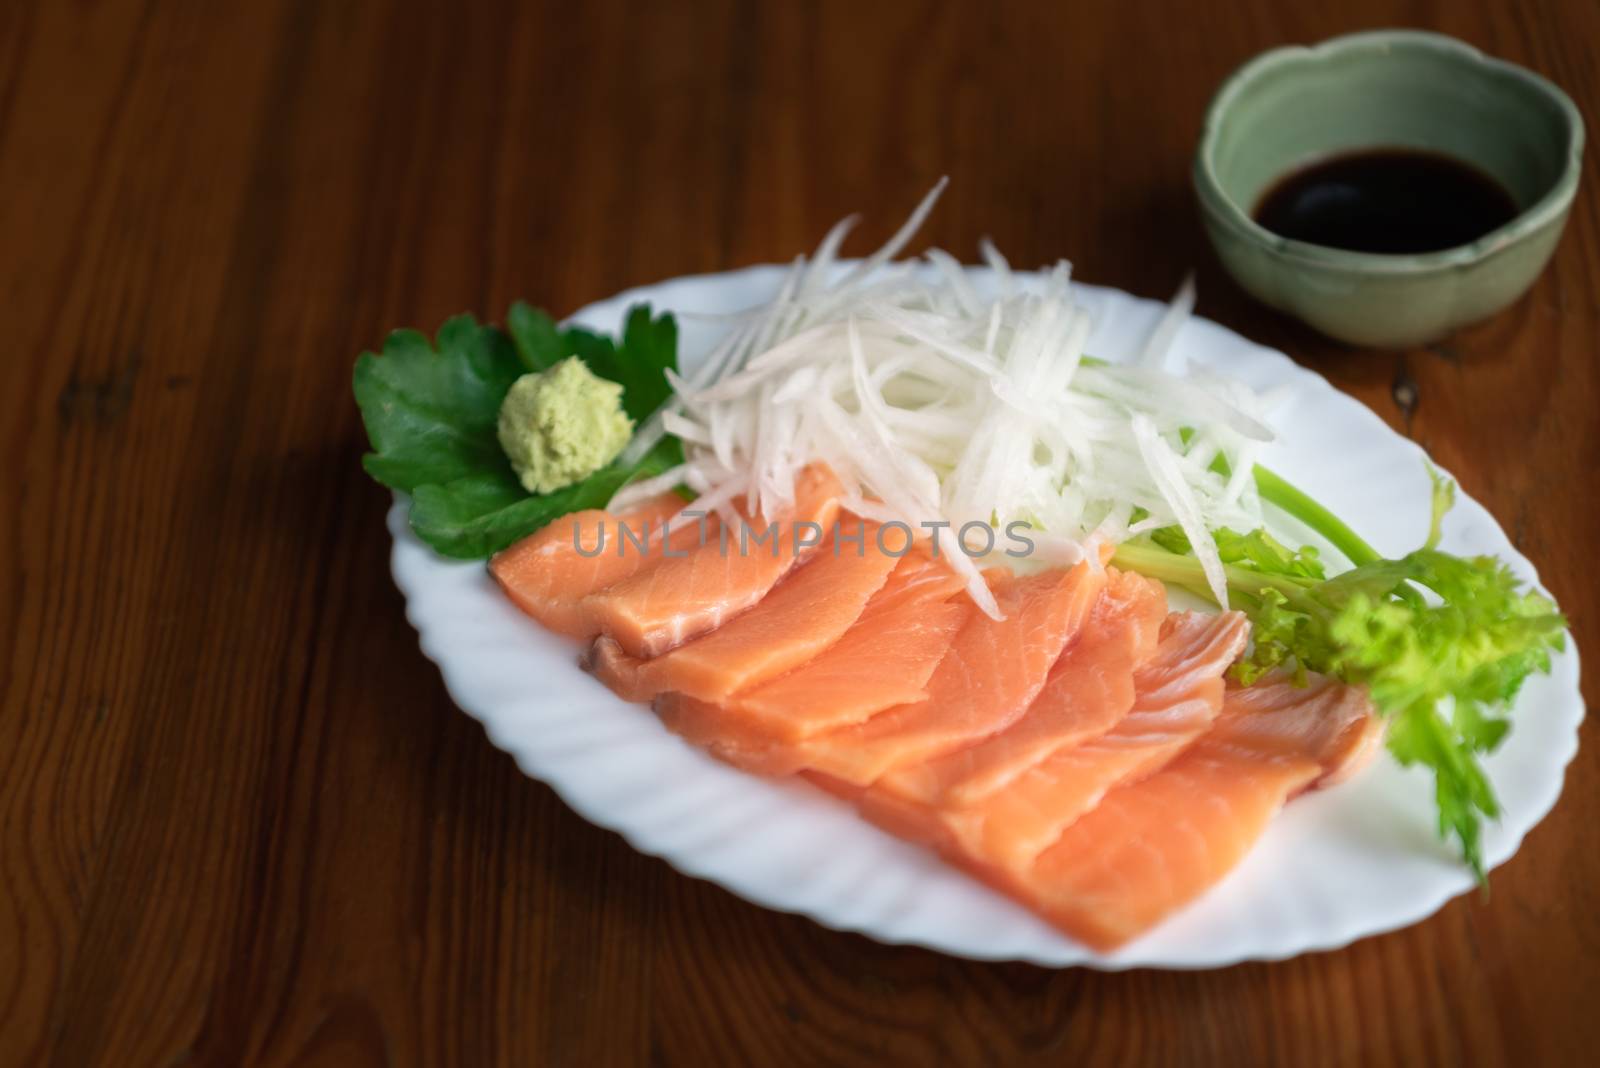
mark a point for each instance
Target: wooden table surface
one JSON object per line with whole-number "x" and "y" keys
{"x": 241, "y": 821}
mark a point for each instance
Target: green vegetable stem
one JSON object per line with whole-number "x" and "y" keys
{"x": 1441, "y": 642}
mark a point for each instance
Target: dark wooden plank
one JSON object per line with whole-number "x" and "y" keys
{"x": 240, "y": 820}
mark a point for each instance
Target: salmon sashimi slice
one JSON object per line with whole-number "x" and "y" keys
{"x": 1176, "y": 697}
{"x": 1179, "y": 696}
{"x": 550, "y": 572}
{"x": 882, "y": 661}
{"x": 1324, "y": 717}
{"x": 991, "y": 674}
{"x": 1150, "y": 848}
{"x": 681, "y": 598}
{"x": 1144, "y": 853}
{"x": 1089, "y": 689}
{"x": 803, "y": 615}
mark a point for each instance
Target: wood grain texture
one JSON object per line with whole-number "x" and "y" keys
{"x": 240, "y": 820}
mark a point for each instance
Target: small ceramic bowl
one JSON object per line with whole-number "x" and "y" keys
{"x": 1387, "y": 89}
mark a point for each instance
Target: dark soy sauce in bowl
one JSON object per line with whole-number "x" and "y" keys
{"x": 1387, "y": 200}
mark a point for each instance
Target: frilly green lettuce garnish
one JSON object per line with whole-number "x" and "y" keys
{"x": 1441, "y": 642}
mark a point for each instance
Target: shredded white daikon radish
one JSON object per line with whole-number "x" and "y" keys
{"x": 1159, "y": 343}
{"x": 945, "y": 396}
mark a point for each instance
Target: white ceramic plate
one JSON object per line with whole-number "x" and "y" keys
{"x": 1333, "y": 867}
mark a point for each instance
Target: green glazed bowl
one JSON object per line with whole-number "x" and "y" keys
{"x": 1387, "y": 89}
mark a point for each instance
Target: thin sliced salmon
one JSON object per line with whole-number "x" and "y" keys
{"x": 549, "y": 573}
{"x": 803, "y": 615}
{"x": 883, "y": 660}
{"x": 683, "y": 597}
{"x": 1090, "y": 688}
{"x": 992, "y": 673}
{"x": 1333, "y": 722}
{"x": 1179, "y": 695}
{"x": 1150, "y": 848}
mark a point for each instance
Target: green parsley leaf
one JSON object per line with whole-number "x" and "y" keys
{"x": 538, "y": 340}
{"x": 431, "y": 411}
{"x": 477, "y": 516}
{"x": 649, "y": 347}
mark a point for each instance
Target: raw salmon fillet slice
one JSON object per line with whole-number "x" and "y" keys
{"x": 681, "y": 598}
{"x": 1089, "y": 689}
{"x": 803, "y": 615}
{"x": 1325, "y": 717}
{"x": 883, "y": 660}
{"x": 1179, "y": 696}
{"x": 1150, "y": 848}
{"x": 550, "y": 572}
{"x": 992, "y": 672}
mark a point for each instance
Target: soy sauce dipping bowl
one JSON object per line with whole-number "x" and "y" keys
{"x": 1291, "y": 107}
